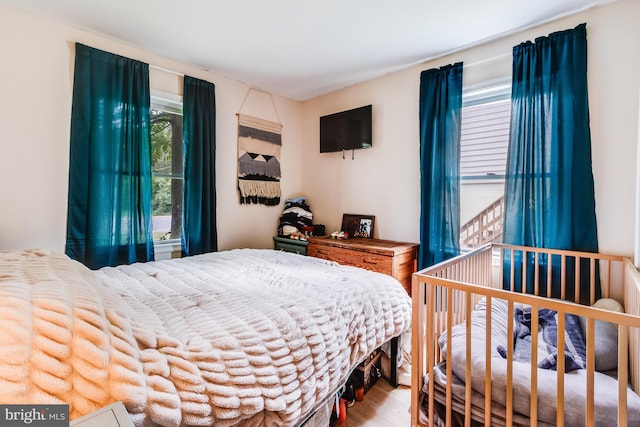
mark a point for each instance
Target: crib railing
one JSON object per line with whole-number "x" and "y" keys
{"x": 445, "y": 294}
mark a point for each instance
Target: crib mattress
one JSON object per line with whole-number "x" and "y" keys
{"x": 606, "y": 385}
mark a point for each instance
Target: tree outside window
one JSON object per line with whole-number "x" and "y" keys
{"x": 168, "y": 173}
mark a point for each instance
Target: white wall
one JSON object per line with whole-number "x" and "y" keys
{"x": 36, "y": 76}
{"x": 384, "y": 181}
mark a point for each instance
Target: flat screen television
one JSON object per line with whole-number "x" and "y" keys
{"x": 346, "y": 130}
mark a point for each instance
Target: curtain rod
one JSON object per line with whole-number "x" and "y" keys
{"x": 166, "y": 70}
{"x": 484, "y": 61}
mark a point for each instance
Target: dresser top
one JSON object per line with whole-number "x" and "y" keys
{"x": 366, "y": 245}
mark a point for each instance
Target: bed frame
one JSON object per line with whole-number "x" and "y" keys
{"x": 445, "y": 294}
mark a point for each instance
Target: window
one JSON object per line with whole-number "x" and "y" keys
{"x": 167, "y": 168}
{"x": 483, "y": 155}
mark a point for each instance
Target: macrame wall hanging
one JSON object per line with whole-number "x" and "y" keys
{"x": 259, "y": 143}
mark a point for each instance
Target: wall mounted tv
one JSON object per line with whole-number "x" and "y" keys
{"x": 347, "y": 130}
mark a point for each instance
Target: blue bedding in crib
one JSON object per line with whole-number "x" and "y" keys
{"x": 574, "y": 348}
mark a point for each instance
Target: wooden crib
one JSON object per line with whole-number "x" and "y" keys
{"x": 444, "y": 297}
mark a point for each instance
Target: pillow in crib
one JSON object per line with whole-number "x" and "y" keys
{"x": 606, "y": 336}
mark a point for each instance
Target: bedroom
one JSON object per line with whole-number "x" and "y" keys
{"x": 36, "y": 79}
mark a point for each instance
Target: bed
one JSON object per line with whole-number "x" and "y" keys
{"x": 242, "y": 337}
{"x": 466, "y": 350}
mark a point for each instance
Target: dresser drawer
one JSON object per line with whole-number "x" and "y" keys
{"x": 290, "y": 245}
{"x": 368, "y": 261}
{"x": 397, "y": 259}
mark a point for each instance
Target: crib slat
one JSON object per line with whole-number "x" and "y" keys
{"x": 431, "y": 344}
{"x": 449, "y": 344}
{"x": 576, "y": 281}
{"x": 510, "y": 320}
{"x": 591, "y": 366}
{"x": 487, "y": 372}
{"x": 467, "y": 382}
{"x": 592, "y": 281}
{"x": 439, "y": 322}
{"x": 549, "y": 269}
{"x": 533, "y": 411}
{"x": 560, "y": 371}
{"x": 536, "y": 274}
{"x": 442, "y": 317}
{"x": 523, "y": 285}
{"x": 563, "y": 275}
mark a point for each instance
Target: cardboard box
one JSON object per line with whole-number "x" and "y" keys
{"x": 370, "y": 370}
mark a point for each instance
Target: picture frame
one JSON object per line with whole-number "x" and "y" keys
{"x": 358, "y": 225}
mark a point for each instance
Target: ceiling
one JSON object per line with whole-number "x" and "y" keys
{"x": 301, "y": 49}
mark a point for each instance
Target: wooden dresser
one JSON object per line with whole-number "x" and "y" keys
{"x": 397, "y": 259}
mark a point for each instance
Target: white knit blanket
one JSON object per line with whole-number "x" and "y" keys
{"x": 243, "y": 337}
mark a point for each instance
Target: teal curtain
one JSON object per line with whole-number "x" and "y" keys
{"x": 549, "y": 191}
{"x": 439, "y": 116}
{"x": 200, "y": 232}
{"x": 109, "y": 204}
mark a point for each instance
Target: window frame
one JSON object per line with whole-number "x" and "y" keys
{"x": 480, "y": 94}
{"x": 169, "y": 103}
{"x": 473, "y": 95}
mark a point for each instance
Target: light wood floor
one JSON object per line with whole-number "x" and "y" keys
{"x": 383, "y": 405}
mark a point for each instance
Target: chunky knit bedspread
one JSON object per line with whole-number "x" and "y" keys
{"x": 243, "y": 337}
